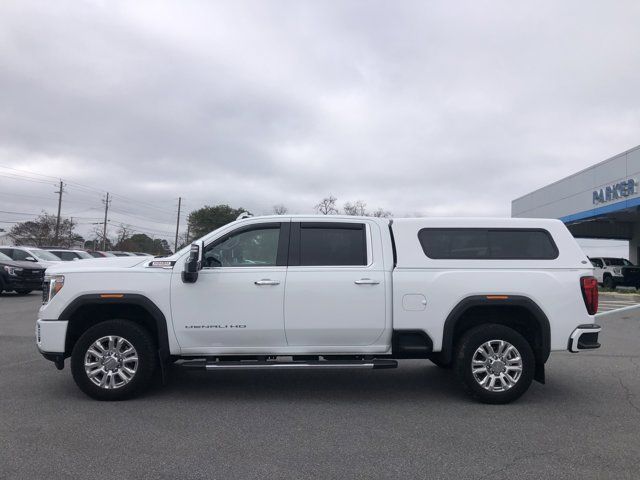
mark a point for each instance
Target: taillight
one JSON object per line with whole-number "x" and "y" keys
{"x": 589, "y": 287}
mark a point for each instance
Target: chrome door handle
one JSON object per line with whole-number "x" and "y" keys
{"x": 366, "y": 281}
{"x": 266, "y": 281}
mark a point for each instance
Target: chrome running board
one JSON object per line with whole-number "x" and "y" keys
{"x": 319, "y": 364}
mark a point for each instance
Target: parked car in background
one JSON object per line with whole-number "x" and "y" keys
{"x": 100, "y": 254}
{"x": 21, "y": 277}
{"x": 118, "y": 253}
{"x": 31, "y": 254}
{"x": 68, "y": 255}
{"x": 612, "y": 272}
{"x": 142, "y": 254}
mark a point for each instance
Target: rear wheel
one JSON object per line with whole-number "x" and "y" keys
{"x": 114, "y": 360}
{"x": 495, "y": 363}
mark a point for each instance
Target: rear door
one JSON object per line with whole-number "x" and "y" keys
{"x": 335, "y": 291}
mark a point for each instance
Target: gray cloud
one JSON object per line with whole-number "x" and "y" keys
{"x": 417, "y": 107}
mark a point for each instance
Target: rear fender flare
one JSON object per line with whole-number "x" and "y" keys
{"x": 542, "y": 352}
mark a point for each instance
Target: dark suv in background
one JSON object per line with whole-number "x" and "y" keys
{"x": 21, "y": 277}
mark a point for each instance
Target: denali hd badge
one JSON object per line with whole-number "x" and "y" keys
{"x": 215, "y": 326}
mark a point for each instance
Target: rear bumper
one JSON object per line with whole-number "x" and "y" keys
{"x": 584, "y": 337}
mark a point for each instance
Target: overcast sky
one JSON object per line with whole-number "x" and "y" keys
{"x": 431, "y": 108}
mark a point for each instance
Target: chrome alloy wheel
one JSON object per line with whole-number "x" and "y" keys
{"x": 111, "y": 362}
{"x": 496, "y": 365}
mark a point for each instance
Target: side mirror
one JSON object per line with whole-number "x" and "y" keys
{"x": 194, "y": 263}
{"x": 30, "y": 259}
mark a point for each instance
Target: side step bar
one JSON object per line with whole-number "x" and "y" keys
{"x": 316, "y": 364}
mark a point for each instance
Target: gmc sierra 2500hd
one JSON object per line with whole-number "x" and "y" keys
{"x": 490, "y": 298}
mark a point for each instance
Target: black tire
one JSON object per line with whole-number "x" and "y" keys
{"x": 138, "y": 337}
{"x": 466, "y": 349}
{"x": 23, "y": 292}
{"x": 608, "y": 282}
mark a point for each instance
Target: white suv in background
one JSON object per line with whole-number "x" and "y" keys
{"x": 31, "y": 254}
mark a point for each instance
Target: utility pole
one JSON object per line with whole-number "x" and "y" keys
{"x": 59, "y": 192}
{"x": 104, "y": 227}
{"x": 175, "y": 245}
{"x": 188, "y": 230}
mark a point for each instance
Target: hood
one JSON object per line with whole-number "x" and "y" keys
{"x": 21, "y": 264}
{"x": 46, "y": 263}
{"x": 94, "y": 264}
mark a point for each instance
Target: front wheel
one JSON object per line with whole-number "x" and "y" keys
{"x": 495, "y": 363}
{"x": 609, "y": 283}
{"x": 114, "y": 360}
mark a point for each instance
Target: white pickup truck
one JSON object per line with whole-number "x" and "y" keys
{"x": 488, "y": 297}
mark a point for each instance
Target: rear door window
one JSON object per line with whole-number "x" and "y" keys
{"x": 331, "y": 244}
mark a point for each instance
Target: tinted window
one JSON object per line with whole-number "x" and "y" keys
{"x": 596, "y": 262}
{"x": 20, "y": 255}
{"x": 336, "y": 244}
{"x": 617, "y": 262}
{"x": 487, "y": 244}
{"x": 249, "y": 248}
{"x": 64, "y": 255}
{"x": 8, "y": 252}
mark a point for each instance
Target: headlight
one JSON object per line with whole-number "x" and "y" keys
{"x": 12, "y": 271}
{"x": 52, "y": 285}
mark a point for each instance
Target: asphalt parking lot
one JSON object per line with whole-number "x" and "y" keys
{"x": 413, "y": 422}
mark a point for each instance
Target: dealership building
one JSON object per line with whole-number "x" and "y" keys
{"x": 601, "y": 201}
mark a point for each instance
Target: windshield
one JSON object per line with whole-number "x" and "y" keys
{"x": 618, "y": 262}
{"x": 5, "y": 258}
{"x": 43, "y": 255}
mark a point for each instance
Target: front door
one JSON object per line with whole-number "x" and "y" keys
{"x": 335, "y": 293}
{"x": 237, "y": 302}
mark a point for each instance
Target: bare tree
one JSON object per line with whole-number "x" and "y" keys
{"x": 98, "y": 239}
{"x": 280, "y": 209}
{"x": 327, "y": 206}
{"x": 380, "y": 212}
{"x": 357, "y": 208}
{"x": 124, "y": 232}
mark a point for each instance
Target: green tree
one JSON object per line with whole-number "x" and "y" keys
{"x": 41, "y": 232}
{"x": 140, "y": 242}
{"x": 208, "y": 218}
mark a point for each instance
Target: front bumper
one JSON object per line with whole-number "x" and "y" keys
{"x": 17, "y": 283}
{"x": 584, "y": 337}
{"x": 51, "y": 336}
